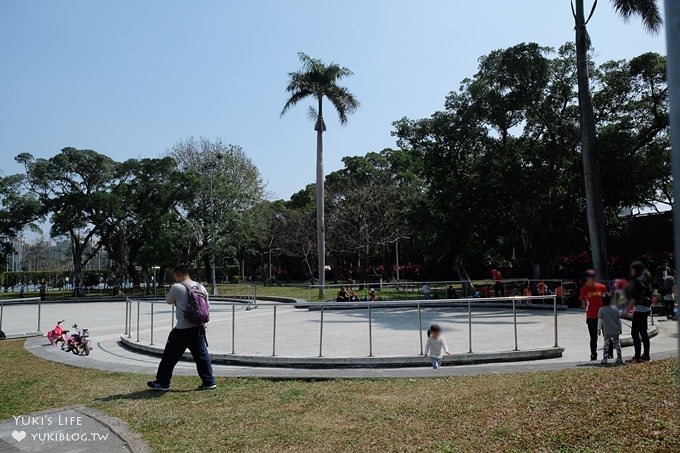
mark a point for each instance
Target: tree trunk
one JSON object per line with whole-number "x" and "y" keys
{"x": 591, "y": 168}
{"x": 320, "y": 217}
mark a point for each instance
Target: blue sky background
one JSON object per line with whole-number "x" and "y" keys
{"x": 130, "y": 78}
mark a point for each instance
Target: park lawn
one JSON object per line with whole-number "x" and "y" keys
{"x": 631, "y": 408}
{"x": 302, "y": 292}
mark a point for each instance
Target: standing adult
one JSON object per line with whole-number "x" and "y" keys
{"x": 661, "y": 272}
{"x": 640, "y": 300}
{"x": 185, "y": 334}
{"x": 668, "y": 291}
{"x": 426, "y": 291}
{"x": 498, "y": 283}
{"x": 591, "y": 298}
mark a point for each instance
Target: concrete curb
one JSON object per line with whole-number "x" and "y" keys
{"x": 474, "y": 358}
{"x": 134, "y": 441}
{"x": 18, "y": 336}
{"x": 130, "y": 439}
{"x": 627, "y": 341}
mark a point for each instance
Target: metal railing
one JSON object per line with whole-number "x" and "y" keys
{"x": 23, "y": 301}
{"x": 322, "y": 307}
{"x": 438, "y": 290}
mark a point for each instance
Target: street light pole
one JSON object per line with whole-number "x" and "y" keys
{"x": 396, "y": 250}
{"x": 270, "y": 264}
{"x": 212, "y": 234}
{"x": 396, "y": 253}
{"x": 155, "y": 279}
{"x": 213, "y": 274}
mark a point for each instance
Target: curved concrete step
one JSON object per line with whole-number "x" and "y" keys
{"x": 473, "y": 358}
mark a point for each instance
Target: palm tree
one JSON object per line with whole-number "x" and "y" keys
{"x": 319, "y": 80}
{"x": 648, "y": 11}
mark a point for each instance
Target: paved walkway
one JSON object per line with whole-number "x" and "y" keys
{"x": 73, "y": 429}
{"x": 395, "y": 333}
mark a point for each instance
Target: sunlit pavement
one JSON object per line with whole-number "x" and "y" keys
{"x": 395, "y": 332}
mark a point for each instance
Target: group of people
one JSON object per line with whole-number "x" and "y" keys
{"x": 603, "y": 318}
{"x": 633, "y": 300}
{"x": 351, "y": 296}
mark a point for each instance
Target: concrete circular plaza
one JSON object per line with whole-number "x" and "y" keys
{"x": 395, "y": 333}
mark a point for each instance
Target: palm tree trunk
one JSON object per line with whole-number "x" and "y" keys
{"x": 591, "y": 167}
{"x": 320, "y": 194}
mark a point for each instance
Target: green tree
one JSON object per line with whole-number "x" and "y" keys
{"x": 18, "y": 210}
{"x": 648, "y": 11}
{"x": 74, "y": 187}
{"x": 144, "y": 195}
{"x": 370, "y": 203}
{"x": 225, "y": 187}
{"x": 501, "y": 165}
{"x": 319, "y": 80}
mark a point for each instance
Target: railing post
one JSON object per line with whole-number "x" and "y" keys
{"x": 309, "y": 293}
{"x": 151, "y": 323}
{"x": 420, "y": 328}
{"x": 555, "y": 317}
{"x": 233, "y": 329}
{"x": 321, "y": 334}
{"x": 274, "y": 334}
{"x": 39, "y": 308}
{"x": 2, "y": 309}
{"x": 370, "y": 331}
{"x": 127, "y": 304}
{"x": 470, "y": 325}
{"x": 514, "y": 320}
{"x": 130, "y": 321}
{"x": 138, "y": 310}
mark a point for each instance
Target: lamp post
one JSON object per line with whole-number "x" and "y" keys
{"x": 396, "y": 253}
{"x": 270, "y": 260}
{"x": 213, "y": 276}
{"x": 155, "y": 279}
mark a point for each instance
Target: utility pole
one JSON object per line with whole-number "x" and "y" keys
{"x": 213, "y": 239}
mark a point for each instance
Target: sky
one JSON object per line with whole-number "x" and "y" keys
{"x": 131, "y": 78}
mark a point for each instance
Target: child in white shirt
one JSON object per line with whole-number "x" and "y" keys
{"x": 435, "y": 348}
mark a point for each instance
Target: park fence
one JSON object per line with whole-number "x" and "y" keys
{"x": 9, "y": 304}
{"x": 133, "y": 317}
{"x": 444, "y": 289}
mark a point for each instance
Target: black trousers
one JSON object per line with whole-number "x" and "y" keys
{"x": 592, "y": 331}
{"x": 179, "y": 341}
{"x": 639, "y": 332}
{"x": 499, "y": 289}
{"x": 669, "y": 307}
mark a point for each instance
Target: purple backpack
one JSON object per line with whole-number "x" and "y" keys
{"x": 198, "y": 307}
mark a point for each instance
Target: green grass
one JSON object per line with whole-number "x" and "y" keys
{"x": 631, "y": 408}
{"x": 301, "y": 291}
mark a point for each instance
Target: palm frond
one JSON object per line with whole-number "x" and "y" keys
{"x": 343, "y": 101}
{"x": 318, "y": 79}
{"x": 295, "y": 98}
{"x": 647, "y": 10}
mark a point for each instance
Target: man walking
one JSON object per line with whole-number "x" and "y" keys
{"x": 185, "y": 335}
{"x": 591, "y": 298}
